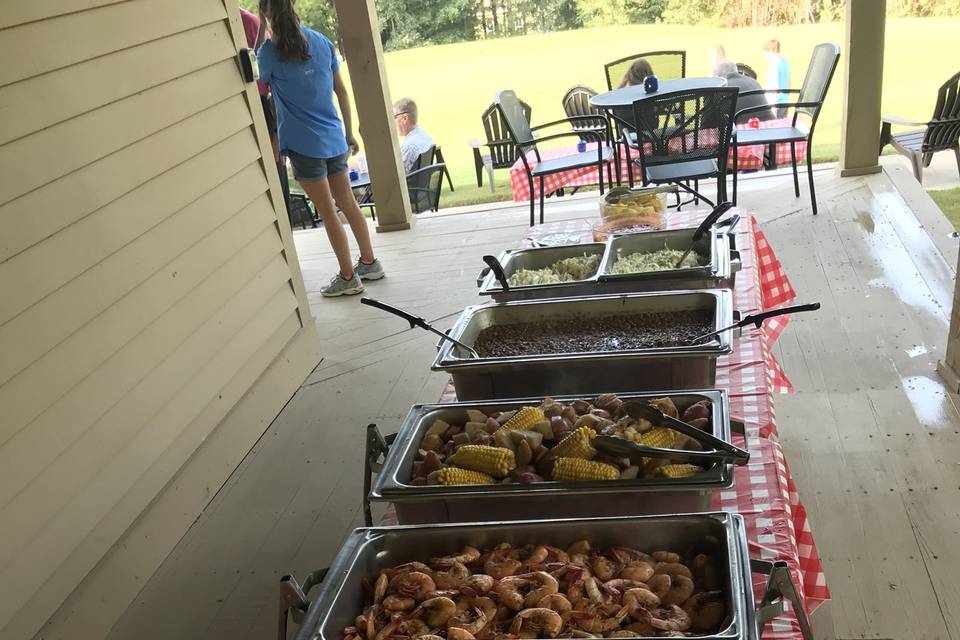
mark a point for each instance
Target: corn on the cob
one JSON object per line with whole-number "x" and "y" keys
{"x": 660, "y": 438}
{"x": 455, "y": 475}
{"x": 575, "y": 445}
{"x": 523, "y": 419}
{"x": 677, "y": 470}
{"x": 493, "y": 461}
{"x": 567, "y": 469}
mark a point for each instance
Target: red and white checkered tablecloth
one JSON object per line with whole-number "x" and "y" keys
{"x": 582, "y": 177}
{"x": 751, "y": 157}
{"x": 748, "y": 158}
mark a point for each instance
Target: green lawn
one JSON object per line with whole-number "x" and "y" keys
{"x": 949, "y": 202}
{"x": 453, "y": 84}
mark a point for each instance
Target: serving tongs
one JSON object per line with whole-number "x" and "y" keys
{"x": 756, "y": 319}
{"x": 416, "y": 321}
{"x": 720, "y": 451}
{"x": 708, "y": 222}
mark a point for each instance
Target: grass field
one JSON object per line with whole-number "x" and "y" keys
{"x": 949, "y": 202}
{"x": 453, "y": 84}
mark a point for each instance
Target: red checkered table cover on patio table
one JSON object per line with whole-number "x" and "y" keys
{"x": 748, "y": 158}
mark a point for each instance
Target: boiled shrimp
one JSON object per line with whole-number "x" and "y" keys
{"x": 625, "y": 555}
{"x": 389, "y": 629}
{"x": 483, "y": 610}
{"x": 671, "y": 618}
{"x": 414, "y": 584}
{"x": 660, "y": 584}
{"x": 477, "y": 584}
{"x": 665, "y": 556}
{"x": 639, "y": 598}
{"x": 681, "y": 588}
{"x": 457, "y": 633}
{"x": 555, "y": 601}
{"x": 604, "y": 568}
{"x": 580, "y": 546}
{"x": 500, "y": 564}
{"x": 543, "y": 621}
{"x": 454, "y": 576}
{"x": 399, "y": 603}
{"x": 380, "y": 588}
{"x": 548, "y": 586}
{"x": 620, "y": 585}
{"x": 637, "y": 570}
{"x": 436, "y": 611}
{"x": 706, "y": 610}
{"x": 508, "y": 590}
{"x": 673, "y": 569}
{"x": 593, "y": 590}
{"x": 594, "y": 623}
{"x": 415, "y": 628}
{"x": 468, "y": 555}
{"x": 537, "y": 557}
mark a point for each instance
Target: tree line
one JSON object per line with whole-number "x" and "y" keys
{"x": 413, "y": 23}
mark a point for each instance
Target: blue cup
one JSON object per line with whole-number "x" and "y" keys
{"x": 354, "y": 174}
{"x": 582, "y": 146}
{"x": 651, "y": 84}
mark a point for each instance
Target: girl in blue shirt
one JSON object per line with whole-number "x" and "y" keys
{"x": 303, "y": 71}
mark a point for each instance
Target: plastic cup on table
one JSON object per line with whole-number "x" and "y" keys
{"x": 581, "y": 146}
{"x": 753, "y": 123}
{"x": 651, "y": 84}
{"x": 354, "y": 174}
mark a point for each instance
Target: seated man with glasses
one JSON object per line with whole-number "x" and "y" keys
{"x": 415, "y": 140}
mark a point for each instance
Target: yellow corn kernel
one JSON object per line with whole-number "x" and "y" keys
{"x": 454, "y": 475}
{"x": 577, "y": 469}
{"x": 677, "y": 470}
{"x": 524, "y": 418}
{"x": 660, "y": 438}
{"x": 576, "y": 445}
{"x": 493, "y": 461}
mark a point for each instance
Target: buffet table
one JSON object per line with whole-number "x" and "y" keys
{"x": 764, "y": 493}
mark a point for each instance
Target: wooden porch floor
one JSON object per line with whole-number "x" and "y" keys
{"x": 871, "y": 435}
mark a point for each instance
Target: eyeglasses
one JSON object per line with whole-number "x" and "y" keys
{"x": 402, "y": 113}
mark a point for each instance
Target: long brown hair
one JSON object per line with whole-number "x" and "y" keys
{"x": 285, "y": 25}
{"x": 639, "y": 70}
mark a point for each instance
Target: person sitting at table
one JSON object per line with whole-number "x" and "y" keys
{"x": 415, "y": 140}
{"x": 639, "y": 70}
{"x": 727, "y": 69}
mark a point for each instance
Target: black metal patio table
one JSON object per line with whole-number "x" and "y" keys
{"x": 626, "y": 96}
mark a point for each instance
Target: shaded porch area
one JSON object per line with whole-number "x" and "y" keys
{"x": 871, "y": 435}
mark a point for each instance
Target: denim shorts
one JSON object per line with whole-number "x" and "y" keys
{"x": 308, "y": 168}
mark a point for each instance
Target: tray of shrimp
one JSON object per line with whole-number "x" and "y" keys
{"x": 531, "y": 483}
{"x": 683, "y": 575}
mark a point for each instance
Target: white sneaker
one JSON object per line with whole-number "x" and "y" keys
{"x": 340, "y": 286}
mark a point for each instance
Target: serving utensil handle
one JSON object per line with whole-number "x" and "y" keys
{"x": 415, "y": 321}
{"x": 757, "y": 319}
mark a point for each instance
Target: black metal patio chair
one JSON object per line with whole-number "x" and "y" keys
{"x": 526, "y": 138}
{"x": 666, "y": 65}
{"x": 684, "y": 136}
{"x": 746, "y": 70}
{"x": 940, "y": 133}
{"x": 423, "y": 186}
{"x": 501, "y": 151}
{"x": 433, "y": 155}
{"x": 823, "y": 64}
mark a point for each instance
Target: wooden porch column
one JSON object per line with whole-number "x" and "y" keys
{"x": 862, "y": 85}
{"x": 360, "y": 36}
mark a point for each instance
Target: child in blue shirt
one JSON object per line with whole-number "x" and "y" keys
{"x": 778, "y": 76}
{"x": 303, "y": 71}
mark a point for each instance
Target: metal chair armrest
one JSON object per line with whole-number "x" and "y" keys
{"x": 897, "y": 120}
{"x": 758, "y": 92}
{"x": 568, "y": 120}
